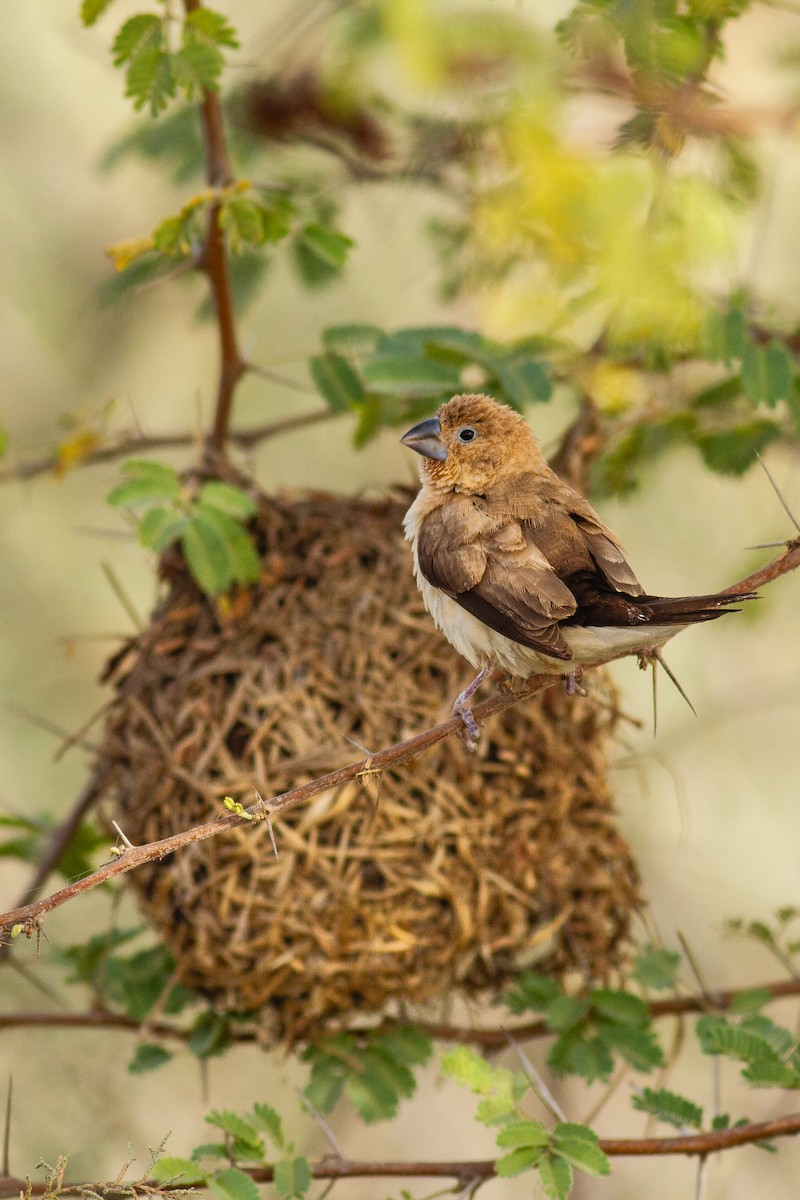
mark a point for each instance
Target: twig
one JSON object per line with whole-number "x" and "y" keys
{"x": 333, "y": 1167}
{"x": 29, "y": 915}
{"x": 137, "y": 443}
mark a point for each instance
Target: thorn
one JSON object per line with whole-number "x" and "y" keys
{"x": 123, "y": 836}
{"x": 767, "y": 545}
{"x": 6, "y": 1164}
{"x": 655, "y": 695}
{"x": 777, "y": 492}
{"x": 659, "y": 659}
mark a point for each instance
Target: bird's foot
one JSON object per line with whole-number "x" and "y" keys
{"x": 462, "y": 708}
{"x": 573, "y": 687}
{"x": 471, "y": 728}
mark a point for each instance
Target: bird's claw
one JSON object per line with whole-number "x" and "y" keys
{"x": 472, "y": 732}
{"x": 573, "y": 687}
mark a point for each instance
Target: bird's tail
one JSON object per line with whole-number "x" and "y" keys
{"x": 686, "y": 610}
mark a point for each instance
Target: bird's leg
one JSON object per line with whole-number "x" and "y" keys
{"x": 462, "y": 708}
{"x": 573, "y": 687}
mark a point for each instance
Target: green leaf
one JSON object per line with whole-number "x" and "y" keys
{"x": 328, "y": 246}
{"x": 718, "y": 1036}
{"x": 211, "y": 1035}
{"x": 3, "y": 442}
{"x": 336, "y": 381}
{"x": 750, "y": 1000}
{"x": 137, "y": 34}
{"x": 793, "y": 404}
{"x": 669, "y": 1107}
{"x": 370, "y": 421}
{"x": 523, "y": 1133}
{"x": 228, "y": 499}
{"x": 355, "y": 337}
{"x": 159, "y": 527}
{"x": 242, "y": 557}
{"x": 470, "y": 1069}
{"x": 732, "y": 451}
{"x": 241, "y": 219}
{"x": 574, "y": 1054}
{"x": 621, "y": 1007}
{"x": 771, "y": 1074}
{"x": 213, "y": 26}
{"x": 197, "y": 66}
{"x": 207, "y": 555}
{"x": 372, "y": 1095}
{"x": 147, "y": 1057}
{"x": 151, "y": 81}
{"x": 136, "y": 492}
{"x": 718, "y": 393}
{"x": 656, "y": 968}
{"x": 238, "y": 1128}
{"x": 518, "y": 1161}
{"x": 766, "y": 373}
{"x": 91, "y": 10}
{"x": 638, "y": 1046}
{"x": 292, "y": 1177}
{"x": 531, "y": 993}
{"x": 579, "y": 1145}
{"x": 269, "y": 1119}
{"x": 410, "y": 376}
{"x": 182, "y": 1172}
{"x": 524, "y": 381}
{"x": 565, "y": 1012}
{"x": 556, "y": 1176}
{"x": 406, "y": 1044}
{"x": 233, "y": 1184}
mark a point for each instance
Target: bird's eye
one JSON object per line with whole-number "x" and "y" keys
{"x": 467, "y": 434}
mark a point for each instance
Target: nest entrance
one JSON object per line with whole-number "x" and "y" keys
{"x": 464, "y": 870}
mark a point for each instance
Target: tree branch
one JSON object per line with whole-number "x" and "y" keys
{"x": 470, "y": 1171}
{"x": 29, "y": 915}
{"x": 214, "y": 260}
{"x": 142, "y": 443}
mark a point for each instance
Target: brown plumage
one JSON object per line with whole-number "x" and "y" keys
{"x": 515, "y": 567}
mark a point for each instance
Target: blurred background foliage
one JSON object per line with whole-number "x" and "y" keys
{"x": 587, "y": 210}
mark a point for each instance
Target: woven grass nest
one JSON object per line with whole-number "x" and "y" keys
{"x": 460, "y": 871}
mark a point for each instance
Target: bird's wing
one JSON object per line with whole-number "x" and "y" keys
{"x": 495, "y": 572}
{"x": 605, "y": 549}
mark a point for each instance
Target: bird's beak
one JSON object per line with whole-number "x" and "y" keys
{"x": 424, "y": 438}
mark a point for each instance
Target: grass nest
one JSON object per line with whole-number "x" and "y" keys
{"x": 447, "y": 875}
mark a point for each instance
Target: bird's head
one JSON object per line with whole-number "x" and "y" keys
{"x": 471, "y": 443}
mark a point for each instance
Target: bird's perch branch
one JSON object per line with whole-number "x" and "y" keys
{"x": 28, "y": 915}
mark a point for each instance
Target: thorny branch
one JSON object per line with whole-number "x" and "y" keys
{"x": 28, "y": 916}
{"x": 475, "y": 1172}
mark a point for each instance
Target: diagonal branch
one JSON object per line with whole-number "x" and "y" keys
{"x": 28, "y": 916}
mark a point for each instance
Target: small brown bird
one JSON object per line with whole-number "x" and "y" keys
{"x": 515, "y": 567}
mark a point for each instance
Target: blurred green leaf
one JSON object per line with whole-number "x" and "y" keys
{"x": 182, "y": 1172}
{"x": 524, "y": 381}
{"x": 292, "y": 1177}
{"x": 517, "y": 1161}
{"x": 207, "y": 555}
{"x": 410, "y": 376}
{"x": 91, "y": 10}
{"x": 234, "y": 501}
{"x": 732, "y": 451}
{"x": 269, "y": 1119}
{"x": 211, "y": 1034}
{"x": 236, "y": 559}
{"x": 159, "y": 527}
{"x": 148, "y": 1057}
{"x": 359, "y": 338}
{"x": 336, "y": 381}
{"x": 320, "y": 253}
{"x": 240, "y": 1129}
{"x": 531, "y": 992}
{"x": 656, "y": 967}
{"x": 766, "y": 373}
{"x": 580, "y": 1146}
{"x": 669, "y": 1107}
{"x": 621, "y": 1007}
{"x": 555, "y": 1174}
{"x": 233, "y": 1184}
